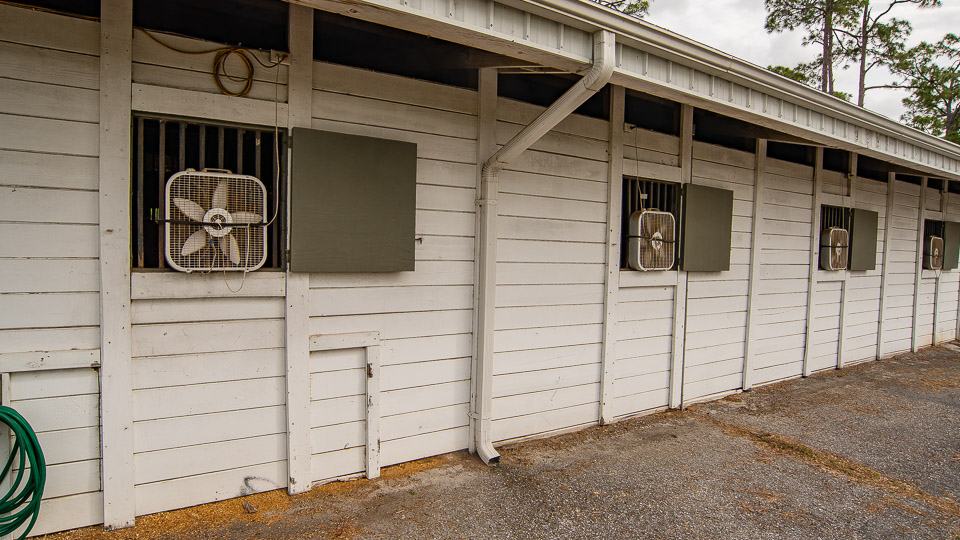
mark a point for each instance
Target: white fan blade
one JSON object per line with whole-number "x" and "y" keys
{"x": 220, "y": 195}
{"x": 230, "y": 248}
{"x": 246, "y": 217}
{"x": 194, "y": 243}
{"x": 189, "y": 208}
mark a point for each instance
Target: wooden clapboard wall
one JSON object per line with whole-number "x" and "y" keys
{"x": 49, "y": 268}
{"x": 717, "y": 301}
{"x": 208, "y": 364}
{"x": 862, "y": 317}
{"x": 644, "y": 329}
{"x": 424, "y": 317}
{"x": 898, "y": 324}
{"x": 949, "y": 284}
{"x": 550, "y": 272}
{"x": 784, "y": 270}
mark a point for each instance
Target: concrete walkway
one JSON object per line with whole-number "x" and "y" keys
{"x": 872, "y": 451}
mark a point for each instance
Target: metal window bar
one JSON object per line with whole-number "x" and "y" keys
{"x": 163, "y": 144}
{"x": 642, "y": 194}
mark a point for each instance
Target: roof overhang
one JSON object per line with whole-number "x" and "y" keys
{"x": 558, "y": 34}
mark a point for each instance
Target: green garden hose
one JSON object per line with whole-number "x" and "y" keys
{"x": 22, "y": 501}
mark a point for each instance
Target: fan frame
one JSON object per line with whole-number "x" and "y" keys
{"x": 928, "y": 257}
{"x": 221, "y": 176}
{"x": 826, "y": 249}
{"x": 634, "y": 246}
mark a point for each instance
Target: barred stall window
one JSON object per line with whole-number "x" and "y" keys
{"x": 640, "y": 194}
{"x": 835, "y": 225}
{"x": 164, "y": 147}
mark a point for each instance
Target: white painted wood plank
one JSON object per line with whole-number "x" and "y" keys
{"x": 32, "y": 310}
{"x": 46, "y": 339}
{"x": 402, "y": 299}
{"x": 169, "y": 285}
{"x": 421, "y": 422}
{"x": 548, "y": 379}
{"x": 203, "y": 337}
{"x": 167, "y": 371}
{"x": 11, "y": 362}
{"x": 193, "y": 104}
{"x": 49, "y": 275}
{"x": 424, "y": 397}
{"x": 48, "y": 135}
{"x": 536, "y": 424}
{"x": 539, "y": 359}
{"x": 338, "y": 463}
{"x": 387, "y": 87}
{"x": 426, "y": 445}
{"x": 193, "y": 460}
{"x": 45, "y": 100}
{"x": 175, "y": 432}
{"x": 48, "y": 170}
{"x": 153, "y": 404}
{"x": 205, "y": 488}
{"x": 205, "y": 309}
{"x": 54, "y": 414}
{"x": 48, "y": 240}
{"x": 80, "y": 511}
{"x": 29, "y": 63}
{"x": 51, "y": 384}
{"x": 70, "y": 445}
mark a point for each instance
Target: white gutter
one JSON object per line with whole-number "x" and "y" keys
{"x": 671, "y": 45}
{"x": 604, "y": 56}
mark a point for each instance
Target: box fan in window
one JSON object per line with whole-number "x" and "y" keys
{"x": 214, "y": 220}
{"x": 652, "y": 240}
{"x": 834, "y": 248}
{"x": 933, "y": 253}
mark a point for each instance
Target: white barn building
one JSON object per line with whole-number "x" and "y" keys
{"x": 483, "y": 295}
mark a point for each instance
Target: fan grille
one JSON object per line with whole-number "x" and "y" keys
{"x": 653, "y": 240}
{"x": 934, "y": 253}
{"x": 242, "y": 194}
{"x": 835, "y": 253}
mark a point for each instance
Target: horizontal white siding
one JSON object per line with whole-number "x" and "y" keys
{"x": 424, "y": 317}
{"x": 863, "y": 288}
{"x": 784, "y": 266}
{"x": 898, "y": 324}
{"x": 550, "y": 260}
{"x": 49, "y": 268}
{"x": 717, "y": 301}
{"x": 208, "y": 365}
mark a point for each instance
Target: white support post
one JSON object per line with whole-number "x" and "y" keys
{"x": 614, "y": 201}
{"x": 116, "y": 374}
{"x": 915, "y": 335}
{"x": 373, "y": 409}
{"x": 752, "y": 287}
{"x": 680, "y": 292}
{"x": 885, "y": 271}
{"x": 845, "y": 284}
{"x": 484, "y": 293}
{"x": 936, "y": 294}
{"x": 6, "y": 443}
{"x": 297, "y": 307}
{"x": 814, "y": 258}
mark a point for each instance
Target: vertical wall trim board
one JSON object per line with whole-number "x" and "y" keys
{"x": 680, "y": 293}
{"x": 611, "y": 296}
{"x": 936, "y": 294}
{"x": 845, "y": 284}
{"x": 752, "y": 289}
{"x": 915, "y": 337}
{"x": 885, "y": 271}
{"x": 297, "y": 308}
{"x": 373, "y": 409}
{"x": 814, "y": 257}
{"x": 116, "y": 374}
{"x": 485, "y": 248}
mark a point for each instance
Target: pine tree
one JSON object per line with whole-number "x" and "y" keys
{"x": 821, "y": 19}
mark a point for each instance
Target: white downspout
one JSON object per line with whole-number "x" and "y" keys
{"x": 604, "y": 55}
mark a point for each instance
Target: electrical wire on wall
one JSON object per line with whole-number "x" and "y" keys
{"x": 219, "y": 73}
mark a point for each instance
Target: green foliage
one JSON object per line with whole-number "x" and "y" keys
{"x": 634, "y": 8}
{"x": 820, "y": 19}
{"x": 874, "y": 41}
{"x": 806, "y": 74}
{"x": 798, "y": 73}
{"x": 931, "y": 71}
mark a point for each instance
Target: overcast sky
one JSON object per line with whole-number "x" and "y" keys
{"x": 736, "y": 27}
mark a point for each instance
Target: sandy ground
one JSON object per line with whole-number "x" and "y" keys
{"x": 872, "y": 451}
